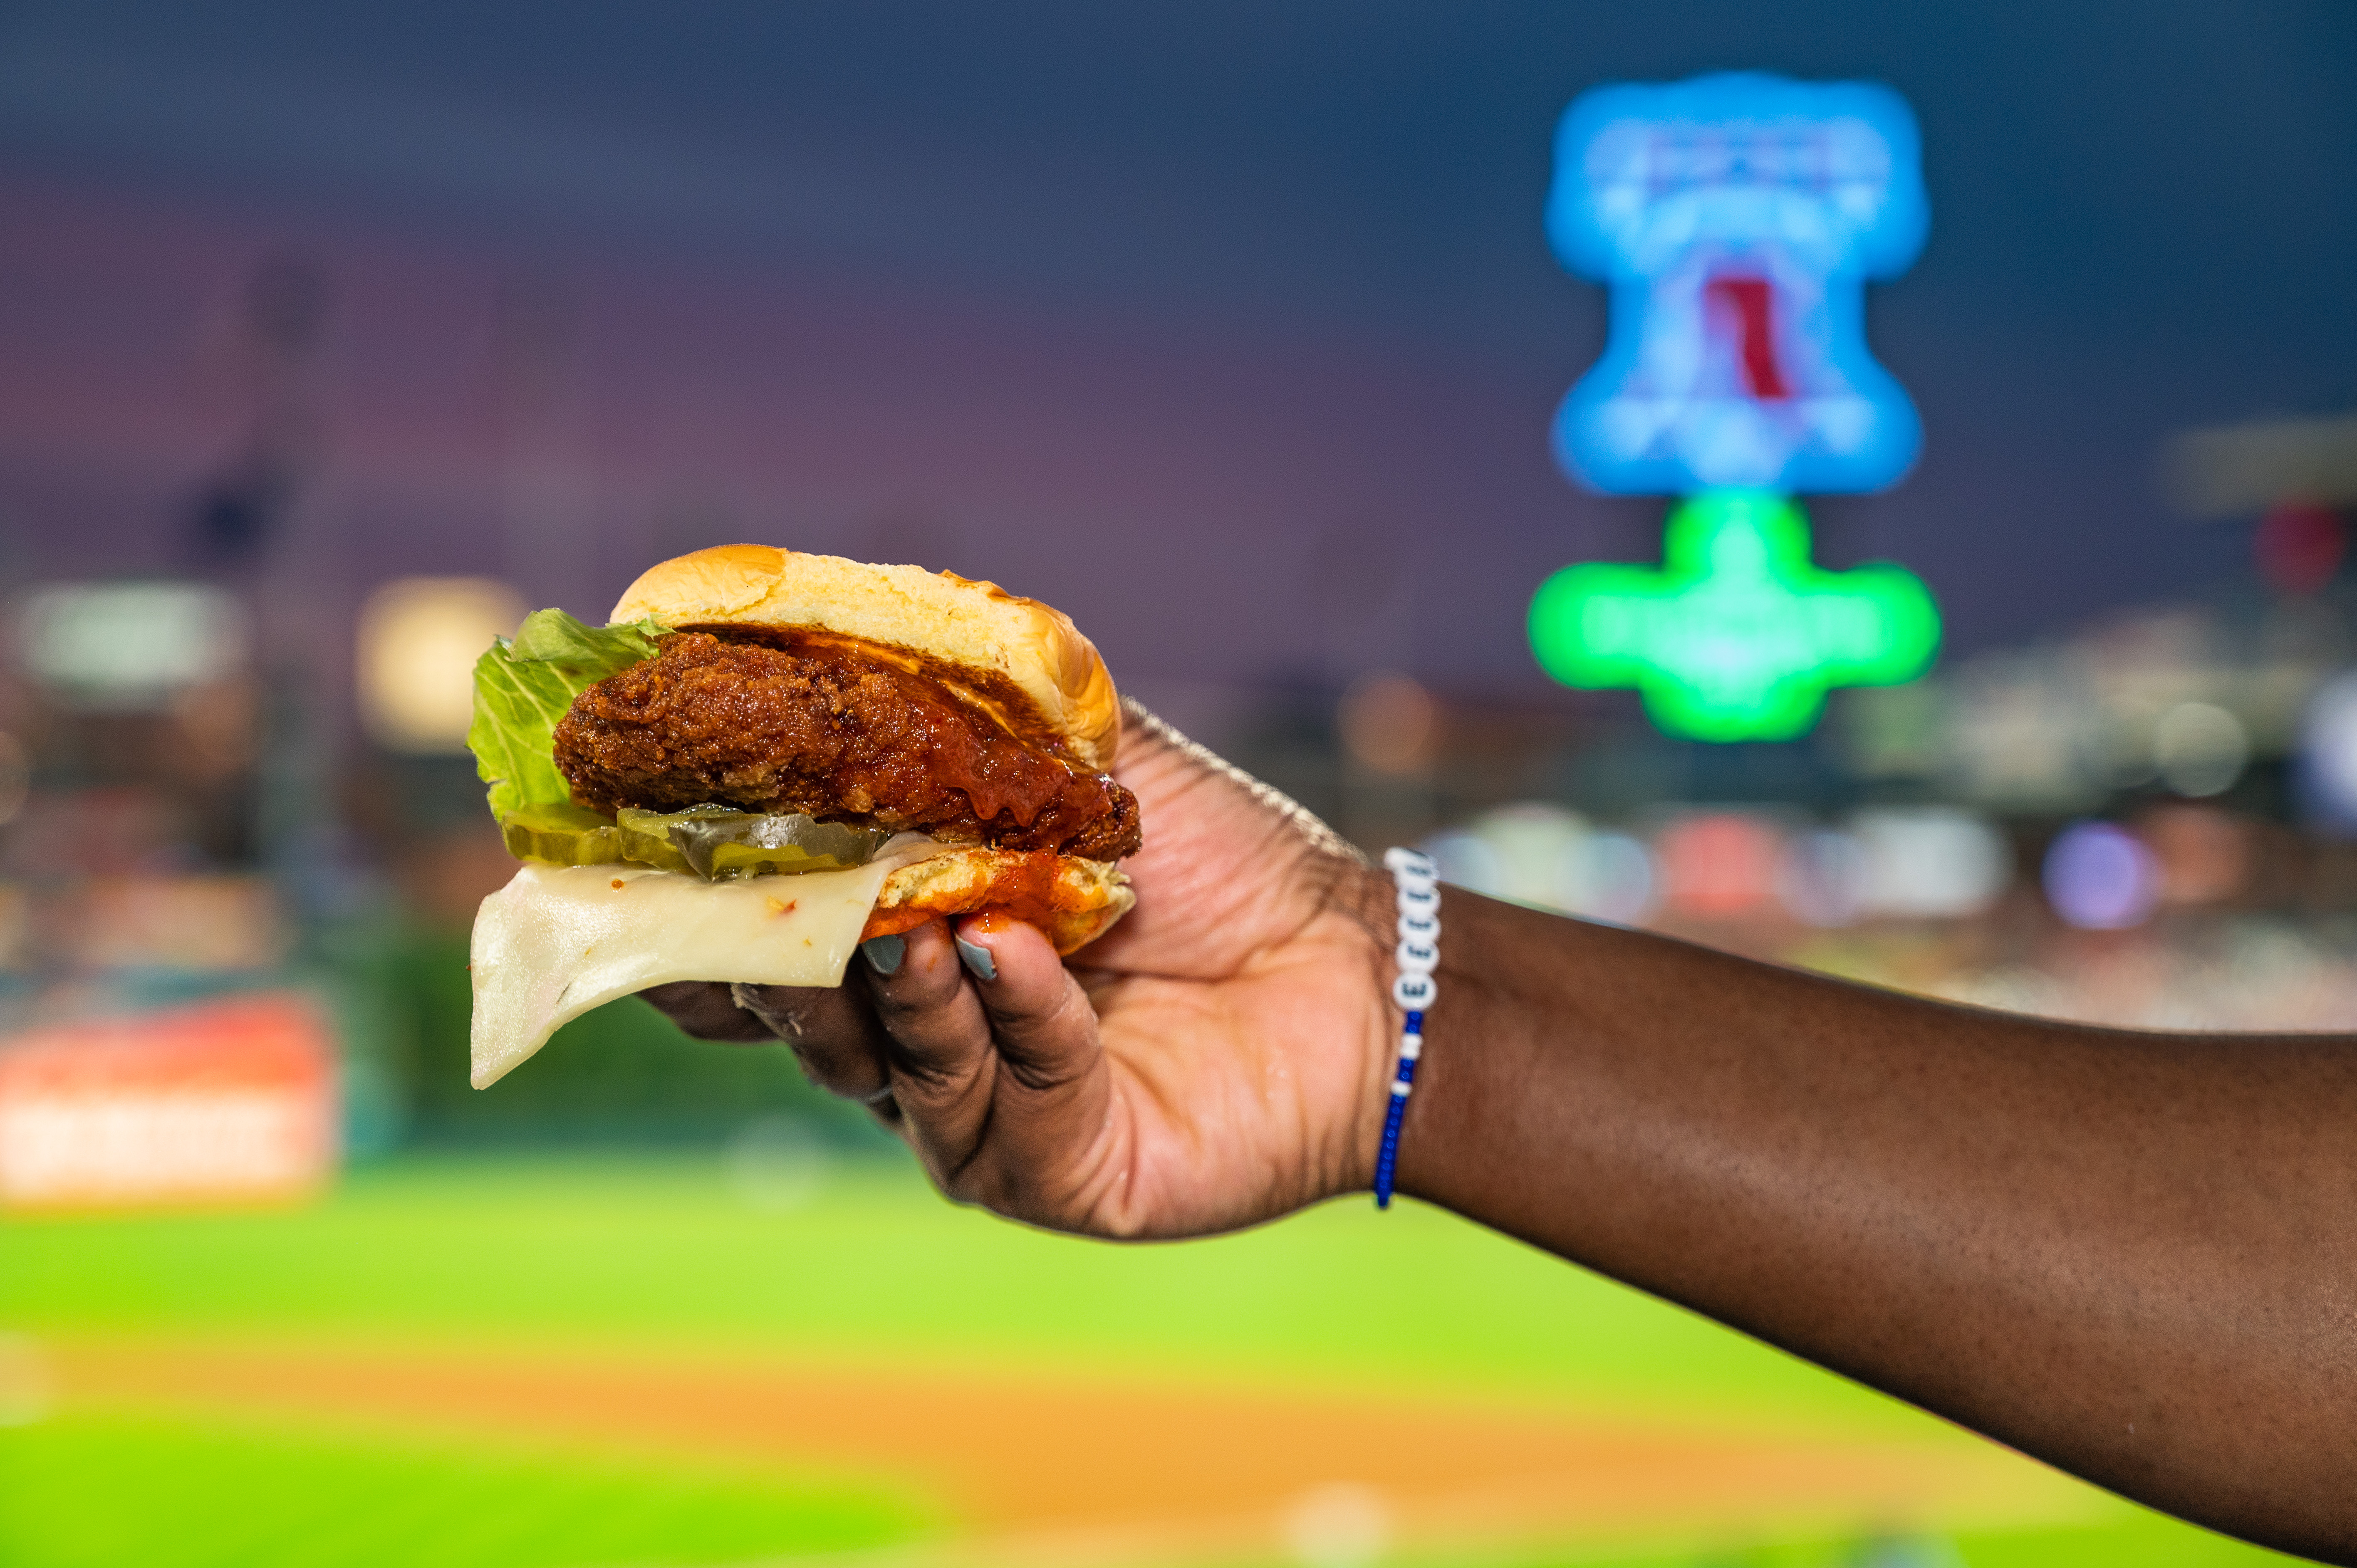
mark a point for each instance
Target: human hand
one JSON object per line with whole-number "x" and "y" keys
{"x": 1216, "y": 1060}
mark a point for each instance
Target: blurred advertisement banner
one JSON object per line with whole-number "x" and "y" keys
{"x": 220, "y": 1102}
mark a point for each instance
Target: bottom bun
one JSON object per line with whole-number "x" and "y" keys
{"x": 1073, "y": 901}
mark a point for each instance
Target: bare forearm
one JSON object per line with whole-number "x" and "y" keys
{"x": 2133, "y": 1255}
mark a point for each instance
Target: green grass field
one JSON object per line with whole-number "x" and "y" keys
{"x": 673, "y": 1263}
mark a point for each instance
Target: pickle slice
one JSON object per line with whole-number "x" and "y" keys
{"x": 646, "y": 836}
{"x": 718, "y": 844}
{"x": 561, "y": 835}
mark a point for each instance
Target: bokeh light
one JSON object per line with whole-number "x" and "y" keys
{"x": 2205, "y": 854}
{"x": 1930, "y": 862}
{"x": 2300, "y": 545}
{"x": 2200, "y": 749}
{"x": 130, "y": 646}
{"x": 1549, "y": 858}
{"x": 2329, "y": 752}
{"x": 1719, "y": 864}
{"x": 1617, "y": 881}
{"x": 15, "y": 778}
{"x": 1387, "y": 723}
{"x": 1528, "y": 854}
{"x": 1822, "y": 879}
{"x": 418, "y": 640}
{"x": 2101, "y": 877}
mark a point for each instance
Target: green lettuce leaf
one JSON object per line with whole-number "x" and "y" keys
{"x": 525, "y": 685}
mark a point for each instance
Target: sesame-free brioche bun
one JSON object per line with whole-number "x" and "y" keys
{"x": 944, "y": 619}
{"x": 1074, "y": 901}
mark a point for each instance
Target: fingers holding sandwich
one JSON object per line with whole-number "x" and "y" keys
{"x": 704, "y": 1010}
{"x": 832, "y": 1030}
{"x": 996, "y": 1067}
{"x": 833, "y": 1036}
{"x": 976, "y": 1044}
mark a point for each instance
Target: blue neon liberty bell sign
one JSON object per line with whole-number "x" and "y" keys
{"x": 1736, "y": 219}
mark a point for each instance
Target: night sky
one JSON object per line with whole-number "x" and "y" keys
{"x": 1230, "y": 328}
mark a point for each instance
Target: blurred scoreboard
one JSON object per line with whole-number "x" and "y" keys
{"x": 226, "y": 1102}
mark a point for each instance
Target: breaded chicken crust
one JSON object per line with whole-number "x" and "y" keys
{"x": 818, "y": 728}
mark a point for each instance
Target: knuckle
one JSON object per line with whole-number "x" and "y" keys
{"x": 1040, "y": 1044}
{"x": 940, "y": 1040}
{"x": 928, "y": 1078}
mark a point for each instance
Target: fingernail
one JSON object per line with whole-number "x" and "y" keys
{"x": 978, "y": 959}
{"x": 884, "y": 953}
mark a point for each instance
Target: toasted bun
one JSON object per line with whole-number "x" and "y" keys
{"x": 976, "y": 627}
{"x": 1074, "y": 901}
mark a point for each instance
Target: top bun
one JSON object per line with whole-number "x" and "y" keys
{"x": 940, "y": 615}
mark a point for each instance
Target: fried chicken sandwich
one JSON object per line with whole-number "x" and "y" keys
{"x": 769, "y": 758}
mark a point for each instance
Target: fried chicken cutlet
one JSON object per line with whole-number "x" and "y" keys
{"x": 825, "y": 726}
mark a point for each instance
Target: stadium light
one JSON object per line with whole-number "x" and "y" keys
{"x": 1739, "y": 636}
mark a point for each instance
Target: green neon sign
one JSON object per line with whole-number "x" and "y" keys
{"x": 1739, "y": 636}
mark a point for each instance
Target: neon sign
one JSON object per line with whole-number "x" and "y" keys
{"x": 1737, "y": 637}
{"x": 1736, "y": 219}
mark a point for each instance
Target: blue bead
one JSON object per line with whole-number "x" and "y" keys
{"x": 1387, "y": 1156}
{"x": 1387, "y": 1160}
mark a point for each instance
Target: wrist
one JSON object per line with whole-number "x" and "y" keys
{"x": 1442, "y": 1118}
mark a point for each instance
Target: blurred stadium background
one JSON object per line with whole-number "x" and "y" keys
{"x": 330, "y": 342}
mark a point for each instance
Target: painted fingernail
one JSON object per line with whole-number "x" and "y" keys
{"x": 978, "y": 959}
{"x": 884, "y": 953}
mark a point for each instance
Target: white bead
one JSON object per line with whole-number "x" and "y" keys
{"x": 1418, "y": 953}
{"x": 1411, "y": 1047}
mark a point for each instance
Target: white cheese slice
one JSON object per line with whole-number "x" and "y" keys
{"x": 559, "y": 941}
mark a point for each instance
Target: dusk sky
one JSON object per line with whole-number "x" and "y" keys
{"x": 1231, "y": 329}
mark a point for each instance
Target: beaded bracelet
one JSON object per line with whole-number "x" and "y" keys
{"x": 1418, "y": 954}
